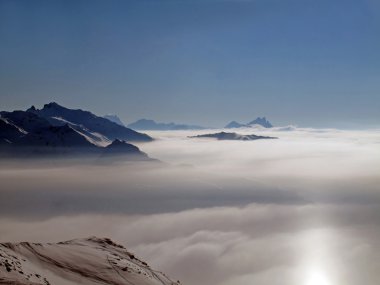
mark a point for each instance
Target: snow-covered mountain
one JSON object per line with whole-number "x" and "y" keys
{"x": 9, "y": 132}
{"x": 232, "y": 136}
{"x": 89, "y": 261}
{"x": 24, "y": 133}
{"x": 55, "y": 136}
{"x": 263, "y": 122}
{"x": 145, "y": 124}
{"x": 88, "y": 122}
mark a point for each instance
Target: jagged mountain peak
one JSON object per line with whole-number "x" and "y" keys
{"x": 32, "y": 108}
{"x": 56, "y": 130}
{"x": 261, "y": 121}
{"x": 88, "y": 122}
{"x": 52, "y": 105}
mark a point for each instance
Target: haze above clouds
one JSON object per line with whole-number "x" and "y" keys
{"x": 297, "y": 210}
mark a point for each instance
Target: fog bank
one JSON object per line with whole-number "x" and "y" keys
{"x": 301, "y": 209}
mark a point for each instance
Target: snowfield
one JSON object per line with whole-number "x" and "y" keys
{"x": 81, "y": 261}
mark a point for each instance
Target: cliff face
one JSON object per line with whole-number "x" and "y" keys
{"x": 87, "y": 261}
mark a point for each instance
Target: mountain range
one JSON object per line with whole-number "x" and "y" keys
{"x": 232, "y": 136}
{"x": 55, "y": 129}
{"x": 145, "y": 124}
{"x": 58, "y": 115}
{"x": 258, "y": 121}
{"x": 87, "y": 261}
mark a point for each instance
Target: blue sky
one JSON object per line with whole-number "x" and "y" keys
{"x": 306, "y": 62}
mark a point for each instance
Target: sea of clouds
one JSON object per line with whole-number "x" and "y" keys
{"x": 302, "y": 209}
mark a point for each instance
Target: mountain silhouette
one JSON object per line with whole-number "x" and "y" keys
{"x": 261, "y": 121}
{"x": 146, "y": 124}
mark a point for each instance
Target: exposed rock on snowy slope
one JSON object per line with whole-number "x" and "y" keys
{"x": 27, "y": 121}
{"x": 90, "y": 261}
{"x": 26, "y": 134}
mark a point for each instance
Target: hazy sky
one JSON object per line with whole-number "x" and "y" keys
{"x": 306, "y": 62}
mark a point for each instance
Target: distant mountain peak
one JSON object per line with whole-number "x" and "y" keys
{"x": 149, "y": 124}
{"x": 114, "y": 118}
{"x": 232, "y": 136}
{"x": 234, "y": 124}
{"x": 52, "y": 105}
{"x": 49, "y": 106}
{"x": 146, "y": 120}
{"x": 262, "y": 121}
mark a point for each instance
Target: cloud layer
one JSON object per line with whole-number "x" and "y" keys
{"x": 303, "y": 209}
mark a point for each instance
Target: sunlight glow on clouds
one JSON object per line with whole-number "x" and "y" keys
{"x": 316, "y": 277}
{"x": 303, "y": 209}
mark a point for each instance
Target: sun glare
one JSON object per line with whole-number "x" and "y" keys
{"x": 317, "y": 277}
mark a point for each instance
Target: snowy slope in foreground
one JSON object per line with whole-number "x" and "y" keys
{"x": 81, "y": 261}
